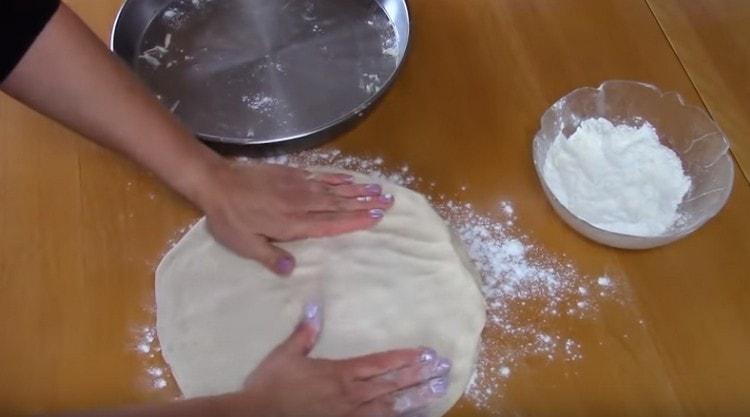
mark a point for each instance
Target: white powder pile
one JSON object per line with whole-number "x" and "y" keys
{"x": 617, "y": 177}
{"x": 527, "y": 290}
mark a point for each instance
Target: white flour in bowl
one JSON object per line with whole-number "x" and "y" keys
{"x": 617, "y": 177}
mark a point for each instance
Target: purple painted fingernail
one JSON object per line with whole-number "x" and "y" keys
{"x": 386, "y": 198}
{"x": 438, "y": 386}
{"x": 428, "y": 355}
{"x": 373, "y": 189}
{"x": 312, "y": 315}
{"x": 311, "y": 311}
{"x": 377, "y": 213}
{"x": 442, "y": 367}
{"x": 285, "y": 265}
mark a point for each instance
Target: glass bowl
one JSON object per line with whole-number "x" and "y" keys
{"x": 687, "y": 130}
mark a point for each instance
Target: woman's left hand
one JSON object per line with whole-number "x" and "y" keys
{"x": 249, "y": 206}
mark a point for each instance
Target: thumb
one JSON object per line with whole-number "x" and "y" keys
{"x": 252, "y": 246}
{"x": 272, "y": 257}
{"x": 305, "y": 335}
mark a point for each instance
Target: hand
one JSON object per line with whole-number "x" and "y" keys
{"x": 250, "y": 206}
{"x": 287, "y": 383}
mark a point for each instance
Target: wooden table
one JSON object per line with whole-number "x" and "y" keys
{"x": 82, "y": 229}
{"x": 711, "y": 41}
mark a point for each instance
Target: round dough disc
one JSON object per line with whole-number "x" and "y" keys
{"x": 405, "y": 283}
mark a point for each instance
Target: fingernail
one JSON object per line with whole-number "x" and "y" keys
{"x": 373, "y": 189}
{"x": 438, "y": 386}
{"x": 312, "y": 315}
{"x": 442, "y": 367}
{"x": 386, "y": 198}
{"x": 428, "y": 355}
{"x": 377, "y": 213}
{"x": 364, "y": 199}
{"x": 285, "y": 265}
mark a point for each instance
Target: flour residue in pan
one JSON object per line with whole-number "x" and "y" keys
{"x": 325, "y": 60}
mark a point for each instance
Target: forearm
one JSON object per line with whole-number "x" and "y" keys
{"x": 69, "y": 75}
{"x": 229, "y": 405}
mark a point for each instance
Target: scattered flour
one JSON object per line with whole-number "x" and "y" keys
{"x": 617, "y": 177}
{"x": 507, "y": 207}
{"x": 154, "y": 55}
{"x": 391, "y": 50}
{"x": 180, "y": 12}
{"x": 148, "y": 346}
{"x": 261, "y": 103}
{"x": 370, "y": 83}
{"x": 174, "y": 17}
{"x": 526, "y": 289}
{"x": 309, "y": 13}
{"x": 390, "y": 41}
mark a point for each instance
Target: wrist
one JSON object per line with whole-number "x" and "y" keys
{"x": 199, "y": 183}
{"x": 241, "y": 404}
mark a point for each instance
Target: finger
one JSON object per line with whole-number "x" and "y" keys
{"x": 368, "y": 202}
{"x": 406, "y": 402}
{"x": 305, "y": 335}
{"x": 385, "y": 408}
{"x": 319, "y": 224}
{"x": 331, "y": 178}
{"x": 272, "y": 257}
{"x": 420, "y": 412}
{"x": 357, "y": 190}
{"x": 334, "y": 203}
{"x": 399, "y": 379}
{"x": 377, "y": 364}
{"x": 412, "y": 399}
{"x": 382, "y": 407}
{"x": 252, "y": 246}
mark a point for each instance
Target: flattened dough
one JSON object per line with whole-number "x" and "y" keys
{"x": 405, "y": 283}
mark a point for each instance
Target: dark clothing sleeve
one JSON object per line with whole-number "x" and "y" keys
{"x": 21, "y": 21}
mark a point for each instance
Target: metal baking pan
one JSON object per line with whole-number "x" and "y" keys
{"x": 263, "y": 71}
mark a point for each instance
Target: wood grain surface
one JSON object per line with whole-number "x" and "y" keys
{"x": 82, "y": 229}
{"x": 711, "y": 39}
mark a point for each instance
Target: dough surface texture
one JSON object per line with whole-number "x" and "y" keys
{"x": 405, "y": 283}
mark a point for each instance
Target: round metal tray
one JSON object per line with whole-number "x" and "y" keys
{"x": 263, "y": 71}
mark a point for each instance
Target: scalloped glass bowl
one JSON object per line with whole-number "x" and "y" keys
{"x": 688, "y": 130}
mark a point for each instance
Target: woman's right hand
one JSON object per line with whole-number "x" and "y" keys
{"x": 288, "y": 383}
